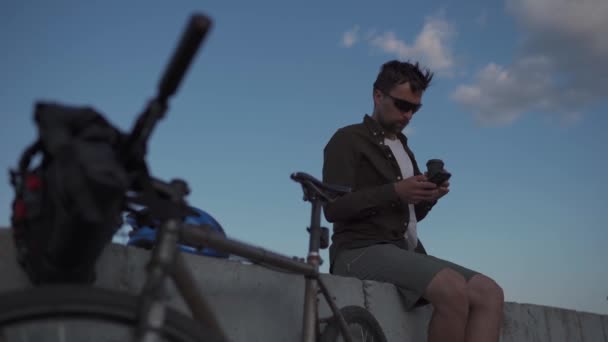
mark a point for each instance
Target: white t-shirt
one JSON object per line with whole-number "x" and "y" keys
{"x": 407, "y": 170}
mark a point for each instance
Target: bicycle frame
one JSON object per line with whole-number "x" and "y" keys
{"x": 165, "y": 257}
{"x": 166, "y": 260}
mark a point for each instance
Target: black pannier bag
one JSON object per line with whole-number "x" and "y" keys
{"x": 67, "y": 207}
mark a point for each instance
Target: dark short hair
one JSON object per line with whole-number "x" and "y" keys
{"x": 393, "y": 73}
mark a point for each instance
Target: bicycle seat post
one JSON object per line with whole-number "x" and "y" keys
{"x": 314, "y": 244}
{"x": 314, "y": 259}
{"x": 318, "y": 194}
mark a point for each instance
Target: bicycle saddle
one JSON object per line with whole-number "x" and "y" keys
{"x": 314, "y": 188}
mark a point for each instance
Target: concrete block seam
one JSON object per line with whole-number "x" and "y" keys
{"x": 604, "y": 329}
{"x": 580, "y": 327}
{"x": 365, "y": 285}
{"x": 547, "y": 325}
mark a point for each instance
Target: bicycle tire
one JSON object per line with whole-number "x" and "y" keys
{"x": 62, "y": 303}
{"x": 354, "y": 315}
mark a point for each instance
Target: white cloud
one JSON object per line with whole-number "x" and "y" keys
{"x": 584, "y": 20}
{"x": 502, "y": 94}
{"x": 430, "y": 47}
{"x": 389, "y": 43}
{"x": 350, "y": 37}
{"x": 559, "y": 70}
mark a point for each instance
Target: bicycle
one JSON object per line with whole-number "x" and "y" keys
{"x": 32, "y": 314}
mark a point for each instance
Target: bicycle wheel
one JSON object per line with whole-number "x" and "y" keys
{"x": 69, "y": 313}
{"x": 362, "y": 326}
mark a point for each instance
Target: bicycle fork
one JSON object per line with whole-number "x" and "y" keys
{"x": 167, "y": 263}
{"x": 152, "y": 308}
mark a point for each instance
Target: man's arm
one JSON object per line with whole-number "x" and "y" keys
{"x": 340, "y": 167}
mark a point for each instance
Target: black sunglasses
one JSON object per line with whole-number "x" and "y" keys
{"x": 404, "y": 105}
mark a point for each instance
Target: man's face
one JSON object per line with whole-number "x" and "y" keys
{"x": 395, "y": 109}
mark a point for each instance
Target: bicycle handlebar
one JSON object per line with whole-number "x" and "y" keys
{"x": 191, "y": 39}
{"x": 135, "y": 148}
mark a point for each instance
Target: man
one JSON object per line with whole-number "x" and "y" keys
{"x": 375, "y": 226}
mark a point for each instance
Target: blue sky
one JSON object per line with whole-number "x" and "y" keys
{"x": 516, "y": 112}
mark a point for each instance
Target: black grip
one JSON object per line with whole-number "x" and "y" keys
{"x": 197, "y": 29}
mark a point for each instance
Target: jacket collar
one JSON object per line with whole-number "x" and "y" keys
{"x": 376, "y": 130}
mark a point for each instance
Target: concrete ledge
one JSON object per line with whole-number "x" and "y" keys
{"x": 258, "y": 304}
{"x": 384, "y": 302}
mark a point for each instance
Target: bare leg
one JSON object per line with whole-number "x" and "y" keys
{"x": 485, "y": 318}
{"x": 448, "y": 294}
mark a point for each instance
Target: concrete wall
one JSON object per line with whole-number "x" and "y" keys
{"x": 257, "y": 304}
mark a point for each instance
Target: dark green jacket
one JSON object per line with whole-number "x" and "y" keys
{"x": 357, "y": 157}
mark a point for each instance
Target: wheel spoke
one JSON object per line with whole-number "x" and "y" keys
{"x": 361, "y": 324}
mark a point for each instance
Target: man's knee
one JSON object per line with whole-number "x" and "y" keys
{"x": 485, "y": 292}
{"x": 448, "y": 291}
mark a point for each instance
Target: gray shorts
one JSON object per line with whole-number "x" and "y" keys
{"x": 411, "y": 272}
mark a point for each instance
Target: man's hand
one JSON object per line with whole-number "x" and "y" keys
{"x": 418, "y": 188}
{"x": 442, "y": 190}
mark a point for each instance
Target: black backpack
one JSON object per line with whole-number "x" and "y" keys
{"x": 67, "y": 208}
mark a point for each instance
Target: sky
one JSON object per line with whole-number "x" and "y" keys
{"x": 516, "y": 111}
